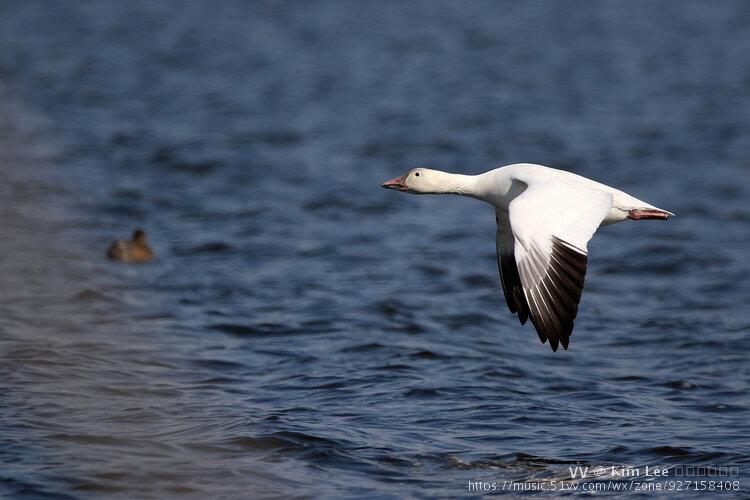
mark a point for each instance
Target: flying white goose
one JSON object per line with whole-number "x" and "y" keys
{"x": 545, "y": 218}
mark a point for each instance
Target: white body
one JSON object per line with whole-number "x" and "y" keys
{"x": 497, "y": 187}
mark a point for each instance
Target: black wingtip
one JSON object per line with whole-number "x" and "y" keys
{"x": 553, "y": 301}
{"x": 564, "y": 341}
{"x": 553, "y": 344}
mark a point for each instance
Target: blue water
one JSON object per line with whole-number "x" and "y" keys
{"x": 303, "y": 332}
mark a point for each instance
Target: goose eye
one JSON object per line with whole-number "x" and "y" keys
{"x": 416, "y": 174}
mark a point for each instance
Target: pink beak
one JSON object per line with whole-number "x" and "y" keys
{"x": 397, "y": 184}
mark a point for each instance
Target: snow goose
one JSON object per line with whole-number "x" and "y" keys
{"x": 545, "y": 217}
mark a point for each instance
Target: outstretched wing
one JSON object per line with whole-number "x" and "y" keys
{"x": 552, "y": 221}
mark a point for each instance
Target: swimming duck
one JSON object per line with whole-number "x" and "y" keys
{"x": 133, "y": 250}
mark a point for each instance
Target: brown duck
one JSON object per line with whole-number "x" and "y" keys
{"x": 133, "y": 250}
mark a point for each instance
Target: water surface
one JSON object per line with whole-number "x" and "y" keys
{"x": 304, "y": 332}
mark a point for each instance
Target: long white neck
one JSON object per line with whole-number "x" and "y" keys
{"x": 490, "y": 186}
{"x": 447, "y": 183}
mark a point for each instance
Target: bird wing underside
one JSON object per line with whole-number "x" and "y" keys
{"x": 541, "y": 252}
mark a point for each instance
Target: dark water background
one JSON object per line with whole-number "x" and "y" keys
{"x": 304, "y": 332}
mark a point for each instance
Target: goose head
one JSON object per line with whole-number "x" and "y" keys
{"x": 419, "y": 180}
